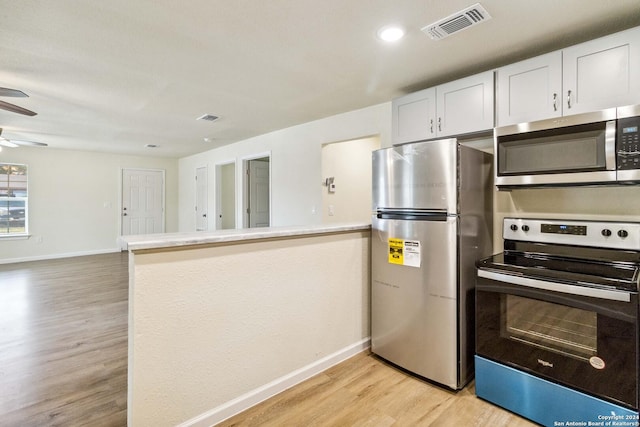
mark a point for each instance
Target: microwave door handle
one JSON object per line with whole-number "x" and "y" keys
{"x": 610, "y": 145}
{"x": 557, "y": 287}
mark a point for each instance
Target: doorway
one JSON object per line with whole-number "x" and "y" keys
{"x": 142, "y": 201}
{"x": 202, "y": 186}
{"x": 348, "y": 165}
{"x": 226, "y": 196}
{"x": 257, "y": 194}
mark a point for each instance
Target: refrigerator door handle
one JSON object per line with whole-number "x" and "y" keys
{"x": 413, "y": 215}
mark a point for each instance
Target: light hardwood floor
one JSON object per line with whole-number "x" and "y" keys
{"x": 63, "y": 342}
{"x": 63, "y": 362}
{"x": 366, "y": 391}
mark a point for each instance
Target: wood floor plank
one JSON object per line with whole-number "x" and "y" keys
{"x": 63, "y": 342}
{"x": 367, "y": 391}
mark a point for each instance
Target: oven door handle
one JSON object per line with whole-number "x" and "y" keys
{"x": 558, "y": 287}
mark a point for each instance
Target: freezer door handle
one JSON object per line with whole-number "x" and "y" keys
{"x": 413, "y": 216}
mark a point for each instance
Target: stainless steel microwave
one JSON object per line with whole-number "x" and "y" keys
{"x": 600, "y": 148}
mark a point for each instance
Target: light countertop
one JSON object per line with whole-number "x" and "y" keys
{"x": 175, "y": 240}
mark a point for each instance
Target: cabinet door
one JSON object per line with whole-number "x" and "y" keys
{"x": 413, "y": 116}
{"x": 602, "y": 73}
{"x": 465, "y": 105}
{"x": 530, "y": 90}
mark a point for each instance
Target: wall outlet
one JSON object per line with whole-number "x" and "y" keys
{"x": 331, "y": 210}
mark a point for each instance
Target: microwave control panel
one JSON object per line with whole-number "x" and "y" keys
{"x": 628, "y": 143}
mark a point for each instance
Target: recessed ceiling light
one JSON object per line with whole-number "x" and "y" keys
{"x": 390, "y": 33}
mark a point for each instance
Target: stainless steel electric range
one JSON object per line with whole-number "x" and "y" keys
{"x": 557, "y": 321}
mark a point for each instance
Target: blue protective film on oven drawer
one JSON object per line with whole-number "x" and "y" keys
{"x": 544, "y": 402}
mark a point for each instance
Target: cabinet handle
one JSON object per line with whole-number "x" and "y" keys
{"x": 431, "y": 125}
{"x": 568, "y": 99}
{"x": 439, "y": 124}
{"x": 555, "y": 102}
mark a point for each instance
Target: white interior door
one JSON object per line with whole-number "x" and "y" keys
{"x": 258, "y": 186}
{"x": 142, "y": 201}
{"x": 202, "y": 223}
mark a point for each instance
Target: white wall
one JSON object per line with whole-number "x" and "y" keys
{"x": 349, "y": 163}
{"x": 296, "y": 178}
{"x": 74, "y": 201}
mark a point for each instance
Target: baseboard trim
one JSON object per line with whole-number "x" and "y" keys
{"x": 57, "y": 256}
{"x": 260, "y": 394}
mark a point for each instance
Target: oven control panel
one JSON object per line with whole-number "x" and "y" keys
{"x": 602, "y": 234}
{"x": 576, "y": 230}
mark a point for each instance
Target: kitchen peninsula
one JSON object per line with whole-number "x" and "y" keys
{"x": 219, "y": 321}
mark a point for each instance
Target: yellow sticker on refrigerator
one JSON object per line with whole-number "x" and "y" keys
{"x": 396, "y": 247}
{"x": 404, "y": 252}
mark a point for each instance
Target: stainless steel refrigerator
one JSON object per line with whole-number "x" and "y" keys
{"x": 432, "y": 219}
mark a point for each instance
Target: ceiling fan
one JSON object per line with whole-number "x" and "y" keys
{"x": 15, "y": 93}
{"x": 14, "y": 143}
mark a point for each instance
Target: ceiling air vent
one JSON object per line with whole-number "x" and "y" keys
{"x": 208, "y": 117}
{"x": 458, "y": 21}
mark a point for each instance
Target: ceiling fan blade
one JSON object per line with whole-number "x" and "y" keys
{"x": 29, "y": 143}
{"x": 16, "y": 109}
{"x": 7, "y": 143}
{"x": 5, "y": 91}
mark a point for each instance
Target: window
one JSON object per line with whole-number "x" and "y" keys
{"x": 13, "y": 199}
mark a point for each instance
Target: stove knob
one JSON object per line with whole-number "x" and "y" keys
{"x": 514, "y": 227}
{"x": 525, "y": 228}
{"x": 623, "y": 233}
{"x": 606, "y": 232}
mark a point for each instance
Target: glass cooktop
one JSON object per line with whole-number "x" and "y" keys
{"x": 573, "y": 265}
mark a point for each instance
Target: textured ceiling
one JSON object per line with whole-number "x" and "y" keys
{"x": 115, "y": 75}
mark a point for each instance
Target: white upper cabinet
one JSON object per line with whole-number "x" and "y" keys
{"x": 413, "y": 116}
{"x": 465, "y": 105}
{"x": 602, "y": 73}
{"x": 458, "y": 107}
{"x": 591, "y": 76}
{"x": 530, "y": 90}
